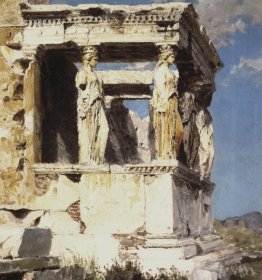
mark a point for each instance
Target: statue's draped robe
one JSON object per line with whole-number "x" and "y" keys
{"x": 167, "y": 124}
{"x": 198, "y": 135}
{"x": 92, "y": 123}
{"x": 206, "y": 151}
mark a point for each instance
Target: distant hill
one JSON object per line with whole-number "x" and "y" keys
{"x": 244, "y": 231}
{"x": 252, "y": 221}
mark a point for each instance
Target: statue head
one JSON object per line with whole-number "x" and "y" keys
{"x": 167, "y": 55}
{"x": 90, "y": 56}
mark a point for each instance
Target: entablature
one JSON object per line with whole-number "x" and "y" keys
{"x": 124, "y": 33}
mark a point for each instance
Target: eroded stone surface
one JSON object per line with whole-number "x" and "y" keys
{"x": 11, "y": 14}
{"x": 120, "y": 198}
{"x": 58, "y": 222}
{"x": 10, "y": 240}
{"x": 12, "y": 140}
{"x": 59, "y": 194}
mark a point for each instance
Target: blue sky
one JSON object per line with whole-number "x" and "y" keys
{"x": 235, "y": 26}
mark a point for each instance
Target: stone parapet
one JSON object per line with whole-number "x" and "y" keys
{"x": 174, "y": 168}
{"x": 156, "y": 199}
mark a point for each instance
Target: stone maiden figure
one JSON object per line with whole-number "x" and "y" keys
{"x": 166, "y": 121}
{"x": 92, "y": 122}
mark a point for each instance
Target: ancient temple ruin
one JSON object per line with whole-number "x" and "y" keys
{"x": 79, "y": 163}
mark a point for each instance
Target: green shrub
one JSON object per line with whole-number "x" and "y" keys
{"x": 243, "y": 237}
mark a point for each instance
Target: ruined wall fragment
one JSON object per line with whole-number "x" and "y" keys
{"x": 10, "y": 11}
{"x": 12, "y": 140}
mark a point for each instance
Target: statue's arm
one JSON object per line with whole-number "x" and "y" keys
{"x": 81, "y": 80}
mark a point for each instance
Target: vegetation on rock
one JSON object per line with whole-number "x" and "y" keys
{"x": 249, "y": 240}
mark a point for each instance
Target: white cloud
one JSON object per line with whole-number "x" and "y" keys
{"x": 222, "y": 18}
{"x": 253, "y": 9}
{"x": 251, "y": 64}
{"x": 249, "y": 69}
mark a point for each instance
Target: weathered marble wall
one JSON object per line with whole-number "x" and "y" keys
{"x": 10, "y": 11}
{"x": 15, "y": 155}
{"x": 157, "y": 204}
{"x": 12, "y": 139}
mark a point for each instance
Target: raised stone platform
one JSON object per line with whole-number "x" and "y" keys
{"x": 163, "y": 198}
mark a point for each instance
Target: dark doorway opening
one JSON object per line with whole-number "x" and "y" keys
{"x": 59, "y": 109}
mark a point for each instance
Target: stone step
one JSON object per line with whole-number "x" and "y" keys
{"x": 8, "y": 266}
{"x": 173, "y": 242}
{"x": 208, "y": 246}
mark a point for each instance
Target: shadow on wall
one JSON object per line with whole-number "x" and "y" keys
{"x": 122, "y": 144}
{"x": 128, "y": 136}
{"x": 35, "y": 243}
{"x": 59, "y": 110}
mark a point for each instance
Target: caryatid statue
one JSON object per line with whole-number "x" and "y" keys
{"x": 92, "y": 122}
{"x": 166, "y": 121}
{"x": 198, "y": 135}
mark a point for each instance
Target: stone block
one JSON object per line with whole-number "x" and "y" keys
{"x": 204, "y": 275}
{"x": 158, "y": 258}
{"x": 175, "y": 206}
{"x": 112, "y": 203}
{"x": 59, "y": 193}
{"x": 190, "y": 251}
{"x": 210, "y": 245}
{"x": 188, "y": 246}
{"x": 10, "y": 240}
{"x": 104, "y": 249}
{"x": 58, "y": 222}
{"x": 7, "y": 218}
{"x": 36, "y": 242}
{"x": 159, "y": 204}
{"x": 27, "y": 264}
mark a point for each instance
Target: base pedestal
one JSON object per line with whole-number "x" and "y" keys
{"x": 159, "y": 200}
